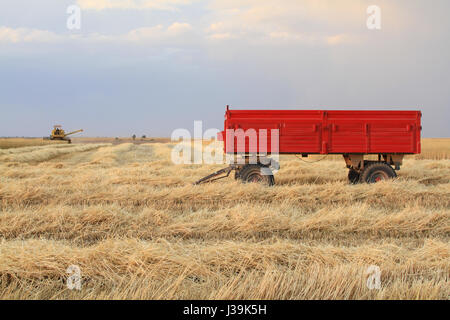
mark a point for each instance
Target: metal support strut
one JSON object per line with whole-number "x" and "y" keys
{"x": 216, "y": 175}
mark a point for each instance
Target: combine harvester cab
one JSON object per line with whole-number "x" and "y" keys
{"x": 389, "y": 135}
{"x": 59, "y": 134}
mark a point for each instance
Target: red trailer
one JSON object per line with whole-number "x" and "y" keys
{"x": 252, "y": 135}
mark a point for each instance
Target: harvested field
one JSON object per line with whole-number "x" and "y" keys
{"x": 138, "y": 229}
{"x": 119, "y": 140}
{"x": 6, "y": 143}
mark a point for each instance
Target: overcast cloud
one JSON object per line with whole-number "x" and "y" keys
{"x": 151, "y": 66}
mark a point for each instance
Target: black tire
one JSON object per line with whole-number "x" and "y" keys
{"x": 377, "y": 171}
{"x": 252, "y": 173}
{"x": 353, "y": 176}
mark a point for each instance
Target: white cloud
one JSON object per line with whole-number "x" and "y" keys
{"x": 179, "y": 28}
{"x": 221, "y": 36}
{"x": 131, "y": 4}
{"x": 216, "y": 26}
{"x": 144, "y": 33}
{"x": 27, "y": 35}
{"x": 311, "y": 38}
{"x": 156, "y": 34}
{"x": 268, "y": 10}
{"x": 309, "y": 22}
{"x": 253, "y": 21}
{"x": 340, "y": 39}
{"x": 267, "y": 22}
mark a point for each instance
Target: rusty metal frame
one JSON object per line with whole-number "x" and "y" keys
{"x": 354, "y": 161}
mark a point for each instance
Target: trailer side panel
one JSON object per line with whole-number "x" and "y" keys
{"x": 323, "y": 131}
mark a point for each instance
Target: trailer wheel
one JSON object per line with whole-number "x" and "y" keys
{"x": 376, "y": 172}
{"x": 252, "y": 173}
{"x": 353, "y": 176}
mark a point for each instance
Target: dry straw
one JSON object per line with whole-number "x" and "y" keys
{"x": 138, "y": 229}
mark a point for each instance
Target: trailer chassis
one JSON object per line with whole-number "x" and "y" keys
{"x": 255, "y": 168}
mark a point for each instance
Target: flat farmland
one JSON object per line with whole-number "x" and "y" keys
{"x": 138, "y": 229}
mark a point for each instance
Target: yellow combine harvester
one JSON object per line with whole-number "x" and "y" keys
{"x": 59, "y": 134}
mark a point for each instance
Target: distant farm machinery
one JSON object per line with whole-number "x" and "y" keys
{"x": 59, "y": 134}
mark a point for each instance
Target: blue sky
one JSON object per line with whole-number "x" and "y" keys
{"x": 151, "y": 66}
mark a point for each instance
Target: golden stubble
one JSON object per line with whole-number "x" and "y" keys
{"x": 138, "y": 229}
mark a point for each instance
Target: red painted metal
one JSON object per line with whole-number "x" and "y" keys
{"x": 325, "y": 131}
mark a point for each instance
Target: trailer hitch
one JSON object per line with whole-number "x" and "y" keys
{"x": 217, "y": 175}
